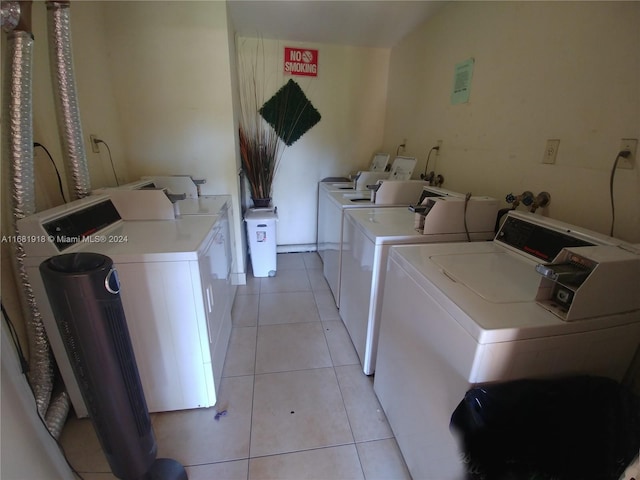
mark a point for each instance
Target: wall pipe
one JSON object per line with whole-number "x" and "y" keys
{"x": 66, "y": 99}
{"x": 18, "y": 152}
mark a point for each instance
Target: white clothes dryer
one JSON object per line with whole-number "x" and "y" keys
{"x": 331, "y": 208}
{"x": 170, "y": 274}
{"x": 456, "y": 315}
{"x": 325, "y": 187}
{"x": 368, "y": 234}
{"x": 402, "y": 168}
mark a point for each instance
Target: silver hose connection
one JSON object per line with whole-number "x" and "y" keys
{"x": 18, "y": 151}
{"x": 66, "y": 99}
{"x": 10, "y": 15}
{"x": 57, "y": 412}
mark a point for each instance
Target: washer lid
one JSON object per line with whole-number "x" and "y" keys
{"x": 153, "y": 240}
{"x": 485, "y": 290}
{"x": 497, "y": 277}
{"x": 205, "y": 205}
{"x": 386, "y": 225}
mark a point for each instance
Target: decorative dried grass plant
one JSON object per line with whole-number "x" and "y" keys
{"x": 260, "y": 146}
{"x": 267, "y": 127}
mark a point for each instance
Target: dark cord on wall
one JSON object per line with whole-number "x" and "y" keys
{"x": 24, "y": 365}
{"x": 622, "y": 154}
{"x": 36, "y": 144}
{"x": 426, "y": 167}
{"x": 467, "y": 197}
{"x": 113, "y": 168}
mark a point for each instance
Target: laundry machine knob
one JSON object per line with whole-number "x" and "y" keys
{"x": 527, "y": 198}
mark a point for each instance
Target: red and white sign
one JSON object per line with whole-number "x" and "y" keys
{"x": 301, "y": 61}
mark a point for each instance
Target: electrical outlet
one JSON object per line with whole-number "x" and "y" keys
{"x": 439, "y": 145}
{"x": 630, "y": 144}
{"x": 94, "y": 143}
{"x": 401, "y": 147}
{"x": 550, "y": 151}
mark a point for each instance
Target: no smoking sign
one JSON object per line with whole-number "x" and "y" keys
{"x": 301, "y": 61}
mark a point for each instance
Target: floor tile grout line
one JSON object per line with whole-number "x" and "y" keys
{"x": 253, "y": 383}
{"x": 295, "y": 370}
{"x": 346, "y": 411}
{"x": 253, "y": 390}
{"x": 354, "y": 442}
{"x": 332, "y": 366}
{"x": 302, "y": 450}
{"x": 338, "y": 382}
{"x": 344, "y": 405}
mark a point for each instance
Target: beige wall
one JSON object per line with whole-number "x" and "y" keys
{"x": 170, "y": 64}
{"x": 171, "y": 69}
{"x": 95, "y": 93}
{"x": 99, "y": 114}
{"x": 350, "y": 94}
{"x": 543, "y": 70}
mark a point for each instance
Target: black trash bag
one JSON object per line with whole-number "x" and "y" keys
{"x": 575, "y": 428}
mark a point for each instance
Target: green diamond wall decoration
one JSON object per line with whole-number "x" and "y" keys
{"x": 290, "y": 113}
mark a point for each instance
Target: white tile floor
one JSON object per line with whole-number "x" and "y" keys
{"x": 298, "y": 405}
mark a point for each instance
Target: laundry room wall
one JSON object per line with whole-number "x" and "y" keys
{"x": 543, "y": 70}
{"x": 96, "y": 89}
{"x": 98, "y": 115}
{"x": 171, "y": 67}
{"x": 170, "y": 64}
{"x": 349, "y": 92}
{"x": 95, "y": 99}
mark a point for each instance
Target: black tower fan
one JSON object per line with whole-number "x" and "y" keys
{"x": 84, "y": 294}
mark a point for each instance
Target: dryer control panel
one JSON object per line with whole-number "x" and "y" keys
{"x": 588, "y": 282}
{"x": 72, "y": 228}
{"x": 539, "y": 241}
{"x": 52, "y": 231}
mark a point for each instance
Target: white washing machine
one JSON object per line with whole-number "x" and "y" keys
{"x": 360, "y": 182}
{"x": 173, "y": 275}
{"x": 368, "y": 234}
{"x": 148, "y": 199}
{"x": 213, "y": 205}
{"x": 331, "y": 208}
{"x": 456, "y": 315}
{"x": 177, "y": 184}
{"x": 379, "y": 162}
{"x": 377, "y": 170}
{"x": 402, "y": 168}
{"x": 324, "y": 188}
{"x": 204, "y": 205}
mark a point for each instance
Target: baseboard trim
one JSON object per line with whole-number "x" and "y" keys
{"x": 308, "y": 247}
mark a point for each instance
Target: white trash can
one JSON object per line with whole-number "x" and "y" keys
{"x": 261, "y": 234}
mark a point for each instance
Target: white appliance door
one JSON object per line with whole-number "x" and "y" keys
{"x": 358, "y": 254}
{"x": 216, "y": 285}
{"x": 165, "y": 317}
{"x": 416, "y": 382}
